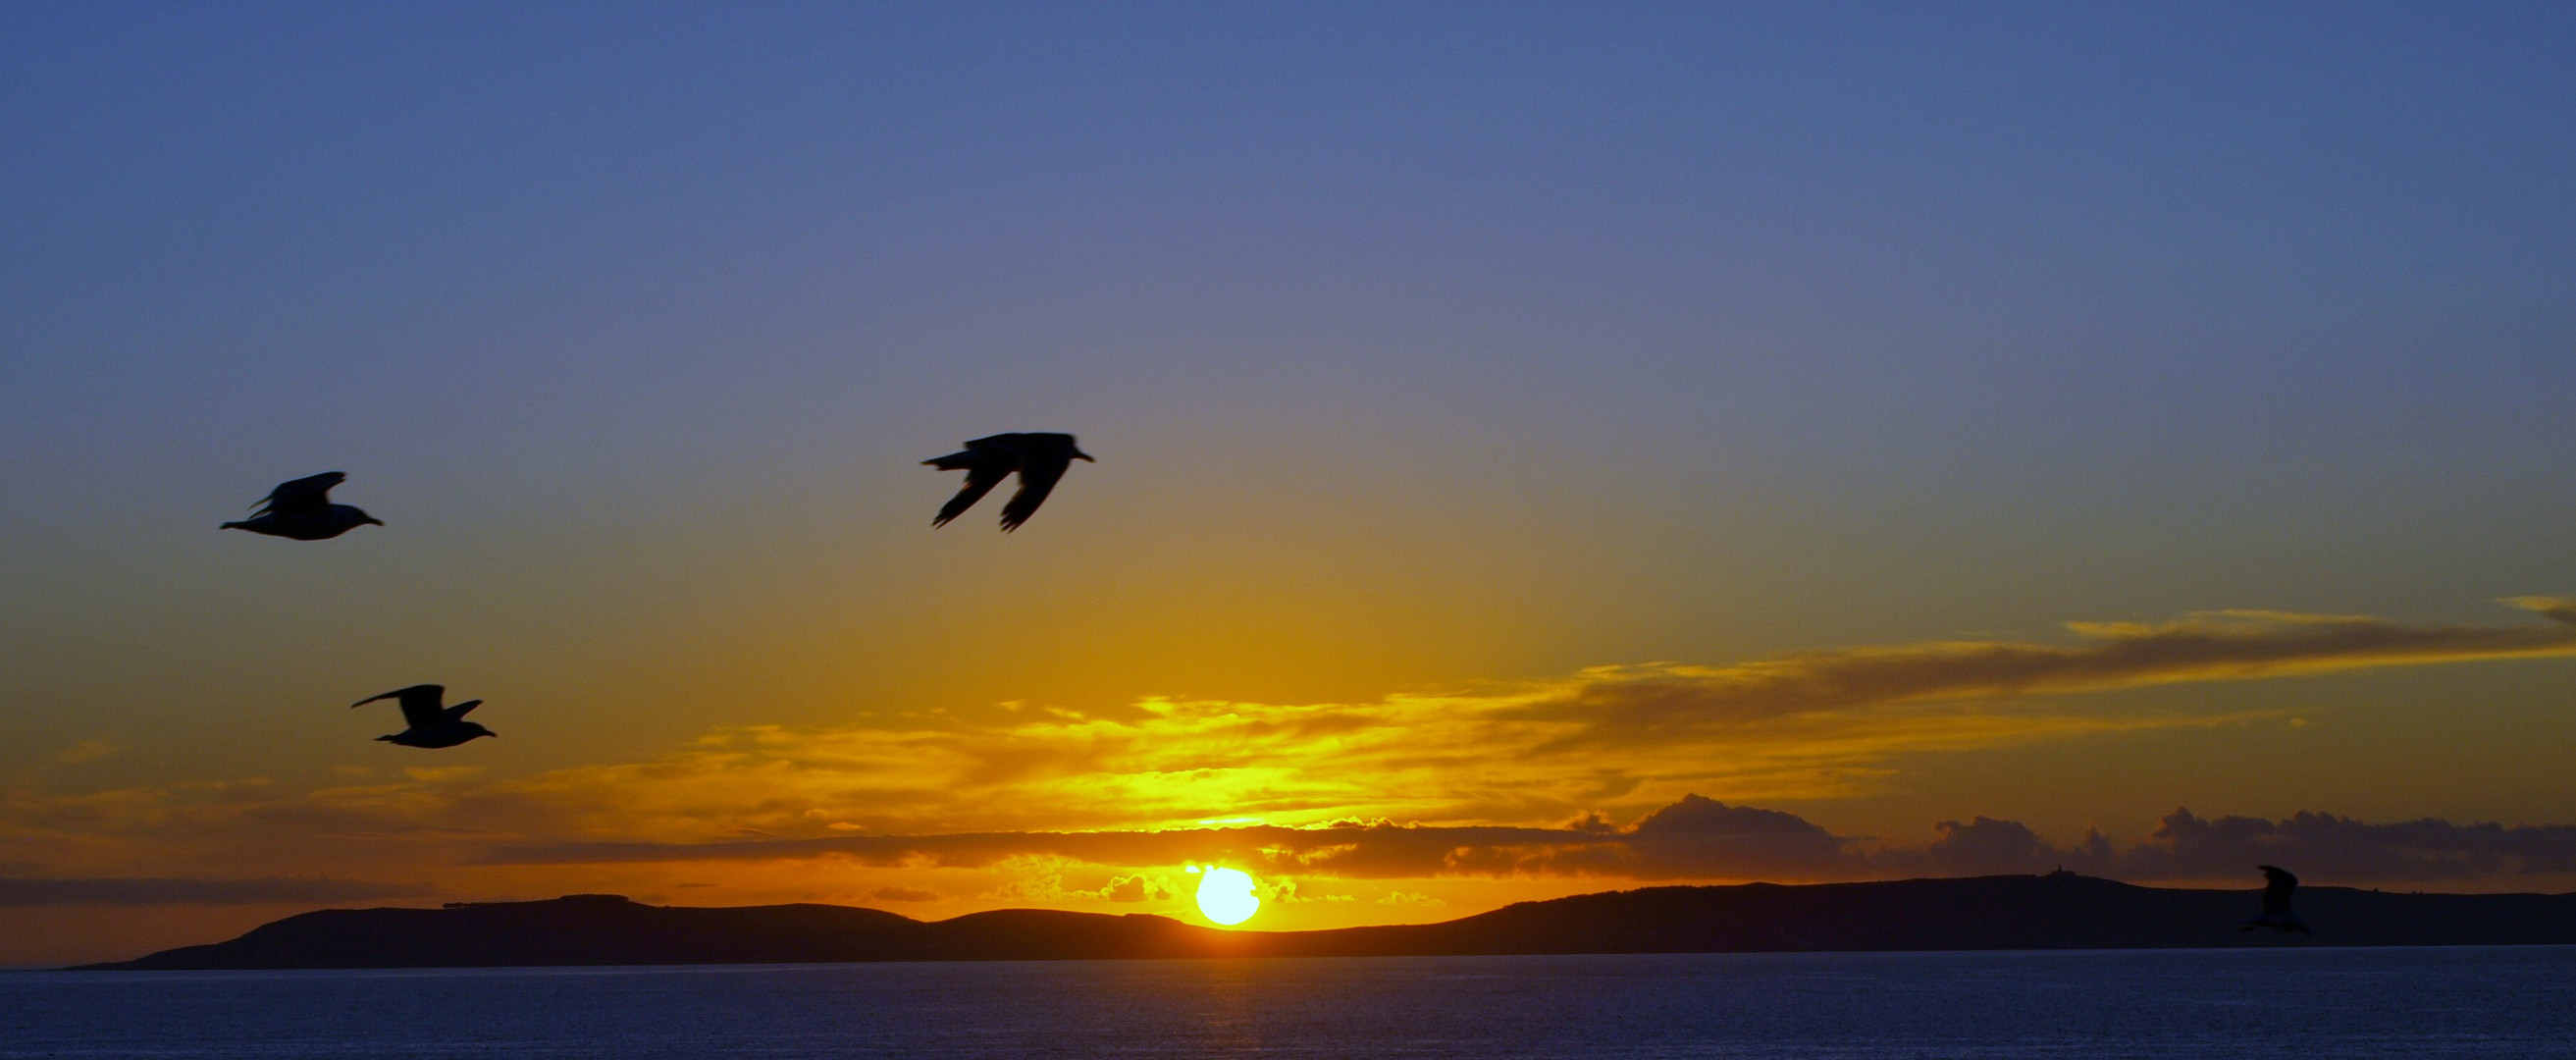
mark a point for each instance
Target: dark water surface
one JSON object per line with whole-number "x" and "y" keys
{"x": 2490, "y": 1002}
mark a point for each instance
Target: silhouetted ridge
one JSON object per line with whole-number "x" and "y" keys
{"x": 2058, "y": 911}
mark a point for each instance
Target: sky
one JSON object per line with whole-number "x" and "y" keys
{"x": 1542, "y": 449}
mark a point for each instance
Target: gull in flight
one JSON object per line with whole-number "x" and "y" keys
{"x": 431, "y": 725}
{"x": 2277, "y": 885}
{"x": 1039, "y": 458}
{"x": 302, "y": 510}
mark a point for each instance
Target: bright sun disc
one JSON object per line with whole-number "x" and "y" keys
{"x": 1225, "y": 895}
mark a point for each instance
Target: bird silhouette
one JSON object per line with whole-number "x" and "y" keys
{"x": 1040, "y": 459}
{"x": 302, "y": 510}
{"x": 2277, "y": 885}
{"x": 431, "y": 725}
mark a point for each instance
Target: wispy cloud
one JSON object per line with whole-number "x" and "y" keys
{"x": 1623, "y": 706}
{"x": 87, "y": 751}
{"x": 1805, "y": 726}
{"x": 1099, "y": 785}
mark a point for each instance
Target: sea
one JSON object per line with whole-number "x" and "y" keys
{"x": 2198, "y": 1004}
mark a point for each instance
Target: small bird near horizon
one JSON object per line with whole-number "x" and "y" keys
{"x": 1040, "y": 459}
{"x": 2277, "y": 885}
{"x": 431, "y": 725}
{"x": 302, "y": 510}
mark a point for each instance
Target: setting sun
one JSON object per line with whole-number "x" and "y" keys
{"x": 1225, "y": 895}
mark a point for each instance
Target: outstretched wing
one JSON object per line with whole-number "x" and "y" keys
{"x": 2277, "y": 885}
{"x": 1037, "y": 479}
{"x": 311, "y": 493}
{"x": 986, "y": 462}
{"x": 419, "y": 704}
{"x": 459, "y": 711}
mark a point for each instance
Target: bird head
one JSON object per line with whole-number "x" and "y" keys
{"x": 475, "y": 728}
{"x": 1084, "y": 457}
{"x": 366, "y": 518}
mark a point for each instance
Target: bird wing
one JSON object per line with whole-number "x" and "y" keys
{"x": 420, "y": 708}
{"x": 310, "y": 493}
{"x": 986, "y": 463}
{"x": 1038, "y": 477}
{"x": 995, "y": 447}
{"x": 459, "y": 711}
{"x": 2277, "y": 885}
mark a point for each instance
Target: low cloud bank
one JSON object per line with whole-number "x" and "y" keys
{"x": 1700, "y": 839}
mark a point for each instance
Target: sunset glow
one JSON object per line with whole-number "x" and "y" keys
{"x": 1526, "y": 451}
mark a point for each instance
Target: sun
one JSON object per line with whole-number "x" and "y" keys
{"x": 1225, "y": 895}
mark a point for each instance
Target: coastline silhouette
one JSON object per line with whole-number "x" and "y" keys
{"x": 2053, "y": 912}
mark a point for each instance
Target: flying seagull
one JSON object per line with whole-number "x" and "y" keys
{"x": 302, "y": 510}
{"x": 431, "y": 725}
{"x": 2277, "y": 885}
{"x": 1039, "y": 458}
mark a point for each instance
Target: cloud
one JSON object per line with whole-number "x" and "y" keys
{"x": 1629, "y": 705}
{"x": 87, "y": 751}
{"x": 1815, "y": 725}
{"x": 16, "y": 892}
{"x": 1696, "y": 838}
{"x": 2328, "y": 846}
{"x": 1146, "y": 783}
{"x": 1986, "y": 846}
{"x": 903, "y": 894}
{"x": 1138, "y": 888}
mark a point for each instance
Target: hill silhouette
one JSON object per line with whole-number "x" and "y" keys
{"x": 2057, "y": 911}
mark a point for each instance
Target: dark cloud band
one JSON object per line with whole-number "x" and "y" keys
{"x": 1699, "y": 838}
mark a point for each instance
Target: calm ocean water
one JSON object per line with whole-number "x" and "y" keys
{"x": 2508, "y": 1002}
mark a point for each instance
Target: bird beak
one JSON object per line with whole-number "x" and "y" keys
{"x": 373, "y": 519}
{"x": 1084, "y": 457}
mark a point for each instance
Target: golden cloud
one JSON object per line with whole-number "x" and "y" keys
{"x": 1617, "y": 706}
{"x": 1803, "y": 726}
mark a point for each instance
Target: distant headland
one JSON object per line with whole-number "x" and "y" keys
{"x": 2057, "y": 911}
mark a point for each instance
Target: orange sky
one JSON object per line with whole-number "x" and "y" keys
{"x": 1411, "y": 806}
